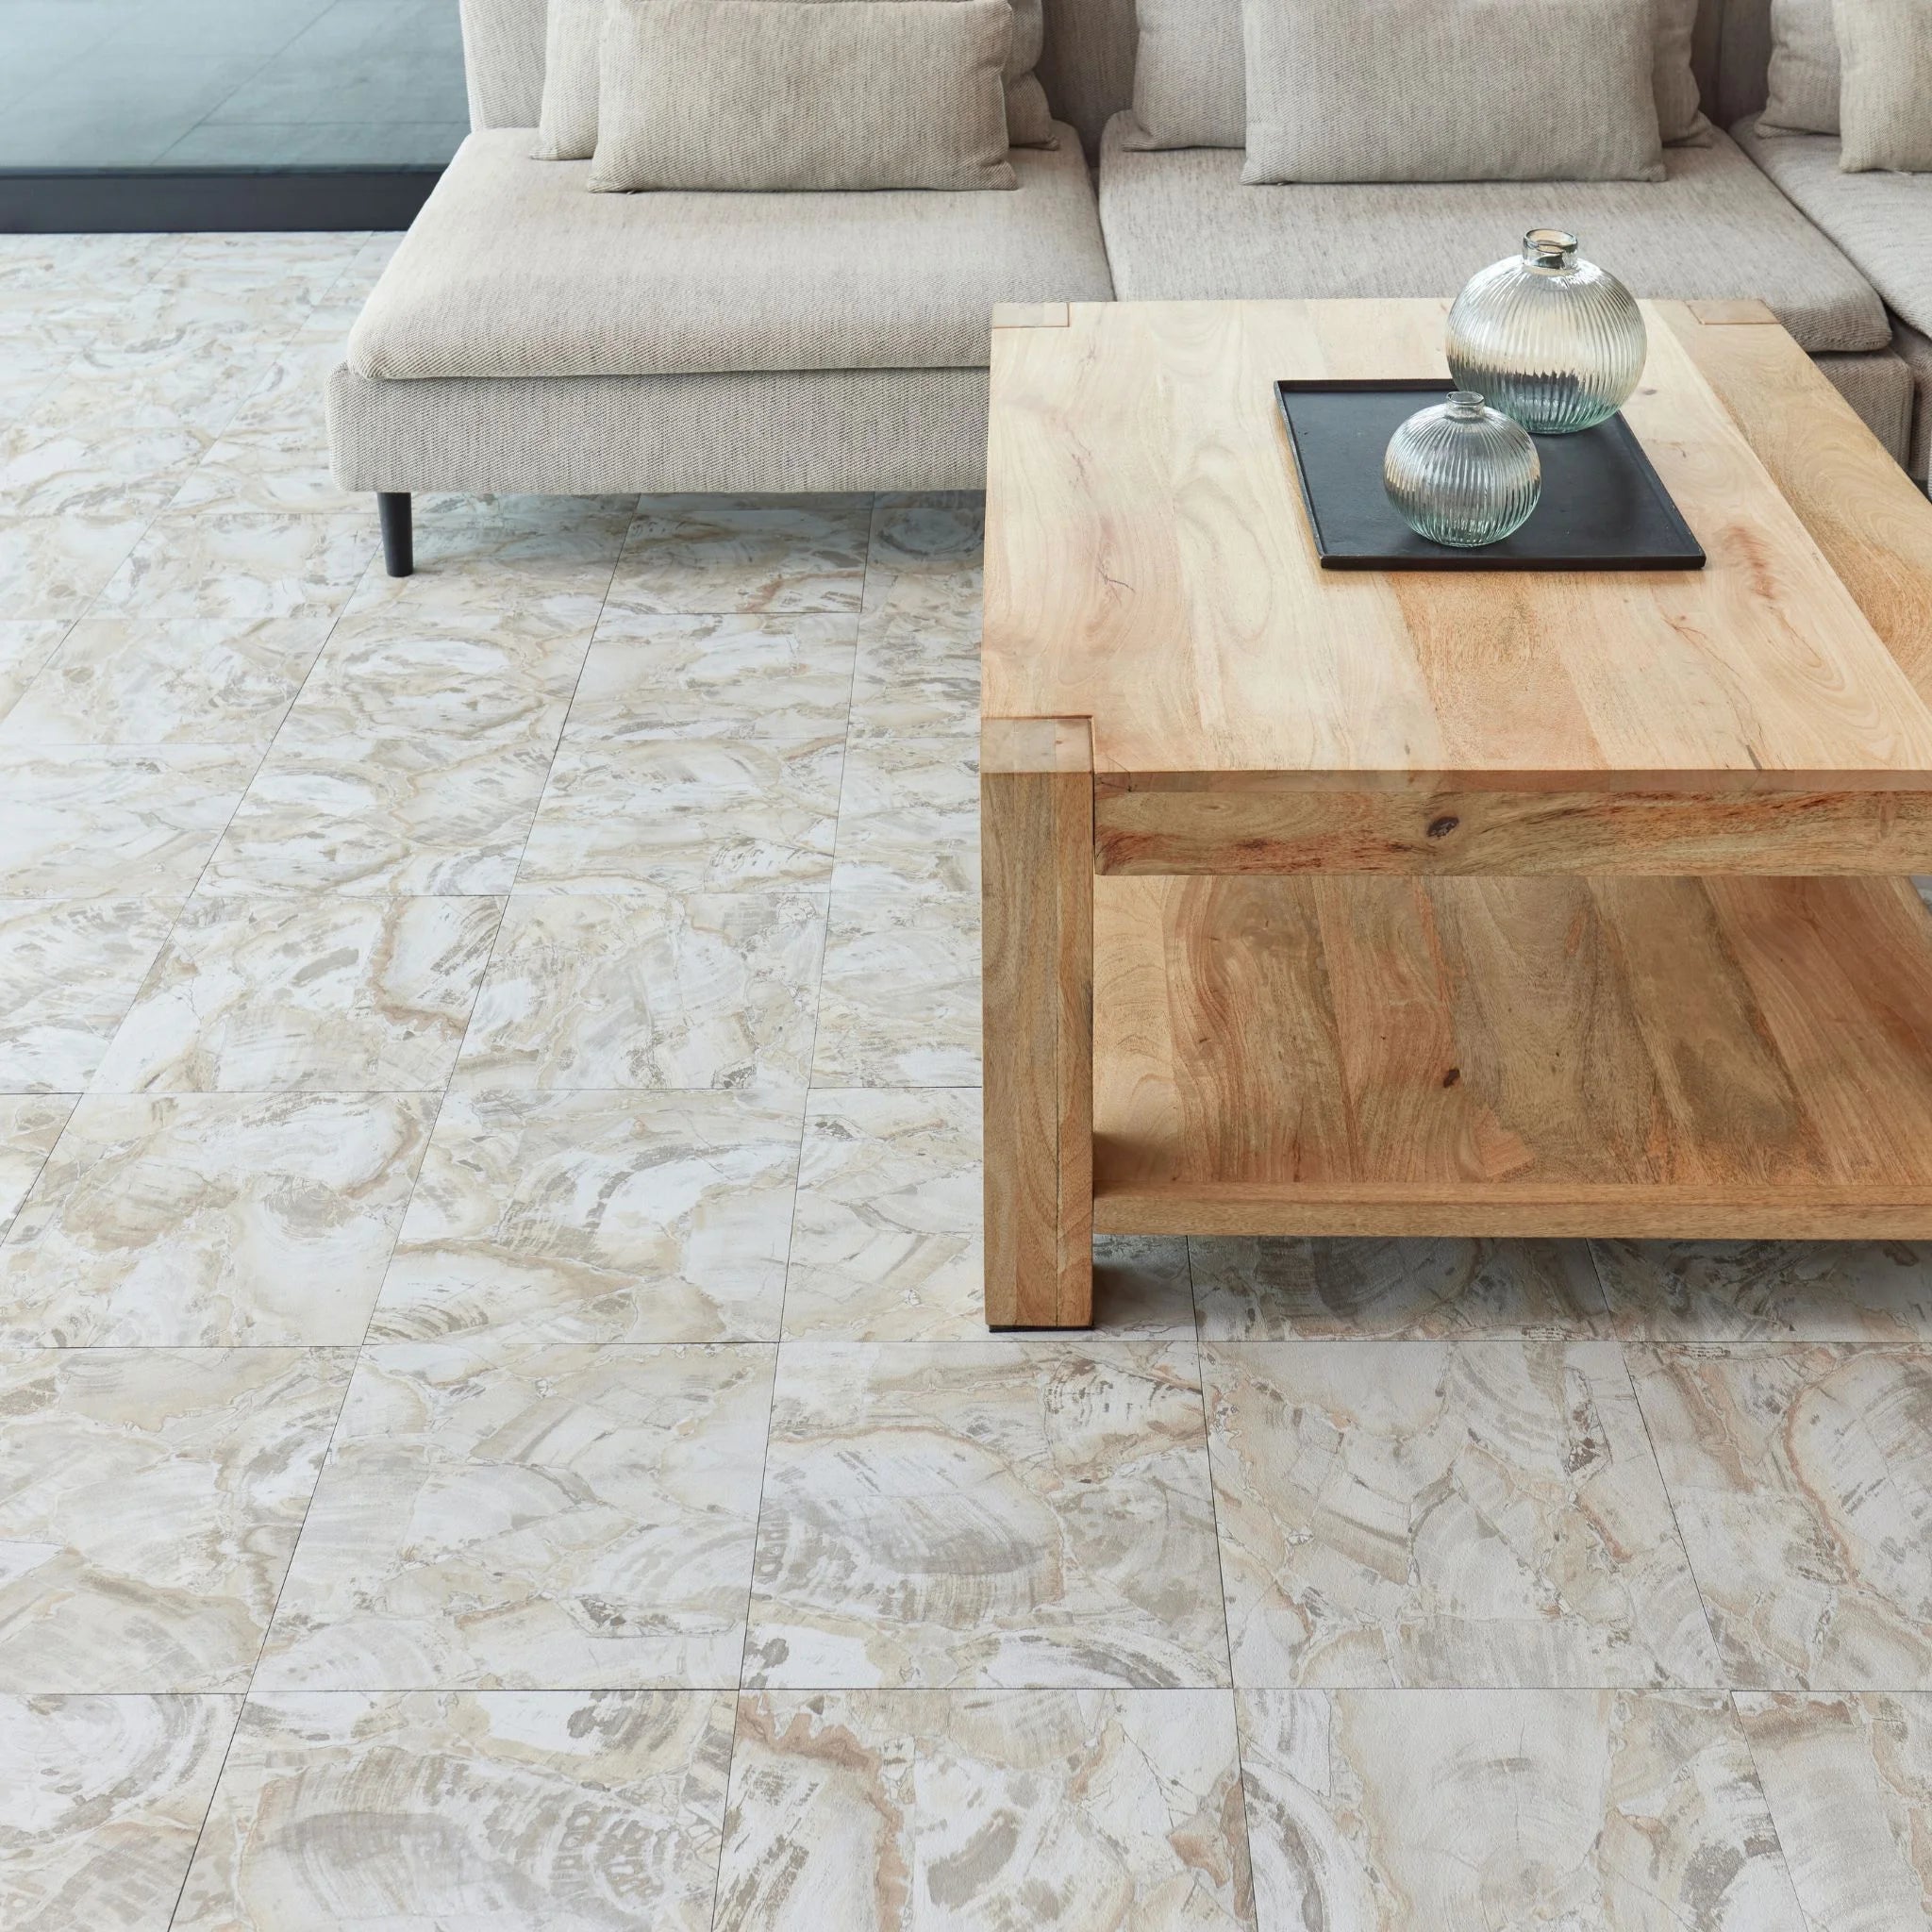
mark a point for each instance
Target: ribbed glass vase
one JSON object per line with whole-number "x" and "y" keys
{"x": 1548, "y": 338}
{"x": 1462, "y": 474}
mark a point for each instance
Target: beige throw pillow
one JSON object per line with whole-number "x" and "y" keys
{"x": 1805, "y": 73}
{"x": 568, "y": 128}
{"x": 1886, "y": 102}
{"x": 1451, "y": 90}
{"x": 1189, "y": 87}
{"x": 750, "y": 95}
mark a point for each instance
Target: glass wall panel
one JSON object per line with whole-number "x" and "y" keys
{"x": 229, "y": 83}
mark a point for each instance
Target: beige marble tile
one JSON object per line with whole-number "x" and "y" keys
{"x": 649, "y": 676}
{"x": 688, "y": 815}
{"x": 707, "y": 553}
{"x": 952, "y": 1811}
{"x": 30, "y": 1125}
{"x": 25, "y": 645}
{"x": 54, "y": 465}
{"x": 204, "y": 1220}
{"x": 597, "y": 1217}
{"x": 240, "y": 566}
{"x": 524, "y": 1518}
{"x": 335, "y": 808}
{"x": 572, "y": 1811}
{"x": 1802, "y": 1476}
{"x": 330, "y": 993}
{"x": 651, "y": 989}
{"x": 978, "y": 1515}
{"x": 69, "y": 972}
{"x": 117, "y": 681}
{"x": 85, "y": 822}
{"x": 55, "y": 567}
{"x": 1430, "y": 1514}
{"x": 38, "y": 358}
{"x": 1767, "y": 1291}
{"x": 440, "y": 675}
{"x": 565, "y": 541}
{"x": 917, "y": 670}
{"x": 149, "y": 1500}
{"x": 909, "y": 816}
{"x": 1545, "y": 1810}
{"x": 101, "y": 1805}
{"x": 899, "y": 999}
{"x": 1348, "y": 1291}
{"x": 274, "y": 455}
{"x": 1849, "y": 1783}
{"x": 193, "y": 383}
{"x": 471, "y": 596}
{"x": 886, "y": 1235}
{"x": 924, "y": 554}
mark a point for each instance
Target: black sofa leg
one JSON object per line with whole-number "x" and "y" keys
{"x": 398, "y": 541}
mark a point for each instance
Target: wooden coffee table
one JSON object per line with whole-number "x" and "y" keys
{"x": 1341, "y": 904}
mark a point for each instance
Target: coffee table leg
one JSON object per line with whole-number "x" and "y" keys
{"x": 1036, "y": 819}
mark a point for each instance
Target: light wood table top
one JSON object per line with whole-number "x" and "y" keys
{"x": 1149, "y": 565}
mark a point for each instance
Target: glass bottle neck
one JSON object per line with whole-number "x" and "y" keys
{"x": 1553, "y": 250}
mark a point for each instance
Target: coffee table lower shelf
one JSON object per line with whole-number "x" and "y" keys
{"x": 1726, "y": 1058}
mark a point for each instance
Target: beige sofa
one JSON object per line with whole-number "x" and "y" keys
{"x": 530, "y": 336}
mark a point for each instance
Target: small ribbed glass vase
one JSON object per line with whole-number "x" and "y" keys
{"x": 1548, "y": 338}
{"x": 1462, "y": 474}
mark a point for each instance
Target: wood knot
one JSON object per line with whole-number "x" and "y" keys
{"x": 1440, "y": 828}
{"x": 1454, "y": 1075}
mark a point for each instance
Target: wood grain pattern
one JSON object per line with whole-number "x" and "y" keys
{"x": 1866, "y": 515}
{"x": 1036, "y": 790}
{"x": 1563, "y": 1055}
{"x": 1419, "y": 830}
{"x": 1143, "y": 517}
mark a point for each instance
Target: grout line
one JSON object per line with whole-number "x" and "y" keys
{"x": 1233, "y": 1689}
{"x": 792, "y": 1228}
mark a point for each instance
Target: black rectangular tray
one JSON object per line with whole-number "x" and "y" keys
{"x": 1603, "y": 508}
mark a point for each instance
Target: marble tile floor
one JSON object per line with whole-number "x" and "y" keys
{"x": 496, "y": 1431}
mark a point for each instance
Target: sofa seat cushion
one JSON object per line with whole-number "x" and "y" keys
{"x": 1180, "y": 226}
{"x": 1883, "y": 222}
{"x": 513, "y": 268}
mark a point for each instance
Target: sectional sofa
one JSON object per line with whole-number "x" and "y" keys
{"x": 532, "y": 336}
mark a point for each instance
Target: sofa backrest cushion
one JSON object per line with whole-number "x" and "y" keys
{"x": 1886, "y": 107}
{"x": 567, "y": 117}
{"x": 754, "y": 95}
{"x": 1802, "y": 84}
{"x": 502, "y": 61}
{"x": 567, "y": 126}
{"x": 1190, "y": 74}
{"x": 1451, "y": 90}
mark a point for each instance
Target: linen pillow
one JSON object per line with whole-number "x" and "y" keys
{"x": 567, "y": 129}
{"x": 1451, "y": 90}
{"x": 1190, "y": 75}
{"x": 1886, "y": 102}
{"x": 751, "y": 94}
{"x": 567, "y": 122}
{"x": 1804, "y": 71}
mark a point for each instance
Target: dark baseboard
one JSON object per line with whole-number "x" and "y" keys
{"x": 172, "y": 201}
